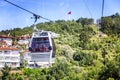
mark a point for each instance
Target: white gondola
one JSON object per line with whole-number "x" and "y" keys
{"x": 42, "y": 48}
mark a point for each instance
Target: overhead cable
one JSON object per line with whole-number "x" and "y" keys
{"x": 36, "y": 16}
{"x": 87, "y": 8}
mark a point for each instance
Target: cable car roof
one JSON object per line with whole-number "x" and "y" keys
{"x": 45, "y": 34}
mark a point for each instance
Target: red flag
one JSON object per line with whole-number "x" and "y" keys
{"x": 69, "y": 12}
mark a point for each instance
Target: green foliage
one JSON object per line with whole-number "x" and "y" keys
{"x": 16, "y": 76}
{"x": 85, "y": 58}
{"x": 85, "y": 36}
{"x": 110, "y": 70}
{"x": 85, "y": 21}
{"x": 60, "y": 70}
{"x": 111, "y": 24}
{"x": 5, "y": 72}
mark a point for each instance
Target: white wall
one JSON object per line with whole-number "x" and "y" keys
{"x": 11, "y": 58}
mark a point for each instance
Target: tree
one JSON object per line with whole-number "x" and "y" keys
{"x": 110, "y": 70}
{"x": 111, "y": 25}
{"x": 59, "y": 70}
{"x": 5, "y": 72}
{"x": 104, "y": 52}
{"x": 85, "y": 21}
{"x": 84, "y": 36}
{"x": 84, "y": 58}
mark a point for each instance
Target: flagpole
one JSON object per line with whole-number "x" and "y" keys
{"x": 69, "y": 17}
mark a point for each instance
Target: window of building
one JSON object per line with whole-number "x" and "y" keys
{"x": 6, "y": 52}
{"x": 7, "y": 58}
{"x": 14, "y": 63}
{"x": 15, "y": 52}
{"x": 8, "y": 63}
{"x": 1, "y": 63}
{"x": 1, "y": 57}
{"x": 1, "y": 52}
{"x": 14, "y": 58}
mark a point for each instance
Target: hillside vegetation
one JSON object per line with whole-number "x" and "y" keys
{"x": 81, "y": 54}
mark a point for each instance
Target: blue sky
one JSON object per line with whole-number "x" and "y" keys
{"x": 13, "y": 17}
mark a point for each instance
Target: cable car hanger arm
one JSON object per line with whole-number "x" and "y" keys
{"x": 35, "y": 15}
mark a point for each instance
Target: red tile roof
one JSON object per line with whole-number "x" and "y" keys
{"x": 7, "y": 48}
{"x": 27, "y": 36}
{"x": 4, "y": 36}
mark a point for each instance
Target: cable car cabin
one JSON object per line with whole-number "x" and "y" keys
{"x": 42, "y": 47}
{"x": 42, "y": 43}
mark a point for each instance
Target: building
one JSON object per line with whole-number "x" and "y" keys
{"x": 9, "y": 56}
{"x": 6, "y": 39}
{"x": 24, "y": 39}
